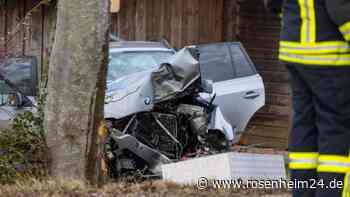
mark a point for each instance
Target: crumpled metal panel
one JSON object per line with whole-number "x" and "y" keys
{"x": 138, "y": 92}
{"x": 129, "y": 95}
{"x": 174, "y": 77}
{"x": 218, "y": 122}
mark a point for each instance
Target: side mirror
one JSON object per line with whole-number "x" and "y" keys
{"x": 15, "y": 99}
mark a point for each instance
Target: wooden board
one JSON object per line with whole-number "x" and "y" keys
{"x": 181, "y": 22}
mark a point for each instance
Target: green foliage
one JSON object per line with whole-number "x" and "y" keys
{"x": 23, "y": 150}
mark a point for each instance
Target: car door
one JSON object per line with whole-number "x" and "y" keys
{"x": 22, "y": 73}
{"x": 240, "y": 91}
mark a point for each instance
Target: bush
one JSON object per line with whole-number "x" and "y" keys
{"x": 23, "y": 150}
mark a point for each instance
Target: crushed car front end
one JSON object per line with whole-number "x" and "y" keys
{"x": 163, "y": 118}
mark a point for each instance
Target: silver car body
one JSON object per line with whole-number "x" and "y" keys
{"x": 7, "y": 113}
{"x": 138, "y": 92}
{"x": 239, "y": 87}
{"x": 239, "y": 98}
{"x": 124, "y": 100}
{"x": 128, "y": 94}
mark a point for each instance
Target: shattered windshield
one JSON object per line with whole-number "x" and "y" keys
{"x": 126, "y": 63}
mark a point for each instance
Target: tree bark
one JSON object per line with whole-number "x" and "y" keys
{"x": 76, "y": 88}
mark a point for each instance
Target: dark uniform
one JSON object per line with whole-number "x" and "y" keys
{"x": 315, "y": 47}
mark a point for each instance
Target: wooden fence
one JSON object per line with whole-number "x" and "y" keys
{"x": 27, "y": 29}
{"x": 182, "y": 22}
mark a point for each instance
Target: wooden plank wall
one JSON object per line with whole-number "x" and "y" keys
{"x": 259, "y": 32}
{"x": 181, "y": 22}
{"x": 15, "y": 30}
{"x": 33, "y": 36}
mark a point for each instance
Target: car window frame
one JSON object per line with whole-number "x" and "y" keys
{"x": 244, "y": 52}
{"x": 223, "y": 44}
{"x": 247, "y": 57}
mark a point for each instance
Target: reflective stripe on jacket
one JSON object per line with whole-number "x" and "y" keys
{"x": 316, "y": 32}
{"x": 323, "y": 164}
{"x": 302, "y": 160}
{"x": 336, "y": 164}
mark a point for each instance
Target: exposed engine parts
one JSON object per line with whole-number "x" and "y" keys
{"x": 197, "y": 116}
{"x": 179, "y": 124}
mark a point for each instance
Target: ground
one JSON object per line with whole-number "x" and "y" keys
{"x": 56, "y": 188}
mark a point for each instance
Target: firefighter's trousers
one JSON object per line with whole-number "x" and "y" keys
{"x": 320, "y": 137}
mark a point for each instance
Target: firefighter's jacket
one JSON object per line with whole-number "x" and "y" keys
{"x": 315, "y": 32}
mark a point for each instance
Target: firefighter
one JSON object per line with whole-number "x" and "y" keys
{"x": 315, "y": 47}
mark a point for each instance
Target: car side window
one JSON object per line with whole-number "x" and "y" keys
{"x": 241, "y": 62}
{"x": 216, "y": 63}
{"x": 20, "y": 72}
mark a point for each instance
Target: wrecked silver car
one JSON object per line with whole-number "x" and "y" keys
{"x": 166, "y": 113}
{"x": 161, "y": 117}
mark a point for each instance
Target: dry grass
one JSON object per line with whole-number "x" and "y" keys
{"x": 59, "y": 188}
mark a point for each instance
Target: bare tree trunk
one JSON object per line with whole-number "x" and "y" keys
{"x": 76, "y": 88}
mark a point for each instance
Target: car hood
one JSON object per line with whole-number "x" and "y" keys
{"x": 138, "y": 92}
{"x": 128, "y": 82}
{"x": 167, "y": 80}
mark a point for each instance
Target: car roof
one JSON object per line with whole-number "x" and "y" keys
{"x": 138, "y": 46}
